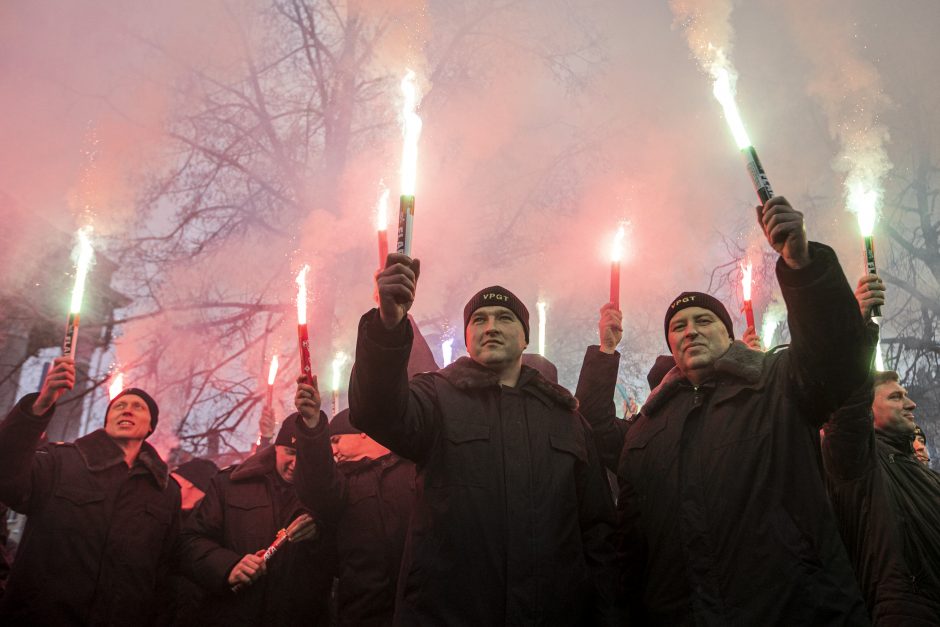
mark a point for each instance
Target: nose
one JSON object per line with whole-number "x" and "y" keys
{"x": 909, "y": 403}
{"x": 691, "y": 330}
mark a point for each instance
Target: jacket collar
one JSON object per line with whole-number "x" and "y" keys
{"x": 99, "y": 451}
{"x": 739, "y": 362}
{"x": 898, "y": 442}
{"x": 258, "y": 465}
{"x": 466, "y": 374}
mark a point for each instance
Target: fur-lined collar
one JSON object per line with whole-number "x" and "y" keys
{"x": 258, "y": 465}
{"x": 466, "y": 374}
{"x": 99, "y": 451}
{"x": 739, "y": 362}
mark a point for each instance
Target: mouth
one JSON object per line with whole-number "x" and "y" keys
{"x": 493, "y": 343}
{"x": 125, "y": 423}
{"x": 691, "y": 346}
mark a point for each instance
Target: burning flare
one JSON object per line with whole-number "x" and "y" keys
{"x": 724, "y": 90}
{"x": 542, "y": 306}
{"x": 381, "y": 209}
{"x": 117, "y": 384}
{"x": 447, "y": 350}
{"x": 411, "y": 129}
{"x": 302, "y": 294}
{"x": 338, "y": 360}
{"x": 863, "y": 201}
{"x": 84, "y": 255}
{"x": 272, "y": 370}
{"x": 746, "y": 272}
{"x": 616, "y": 250}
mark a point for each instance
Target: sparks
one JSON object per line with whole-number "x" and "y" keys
{"x": 746, "y": 280}
{"x": 84, "y": 256}
{"x": 411, "y": 129}
{"x": 272, "y": 370}
{"x": 724, "y": 90}
{"x": 117, "y": 384}
{"x": 338, "y": 360}
{"x": 381, "y": 209}
{"x": 302, "y": 294}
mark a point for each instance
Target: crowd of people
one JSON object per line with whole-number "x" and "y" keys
{"x": 787, "y": 486}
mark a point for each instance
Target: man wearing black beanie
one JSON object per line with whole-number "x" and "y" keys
{"x": 102, "y": 514}
{"x": 513, "y": 517}
{"x": 724, "y": 516}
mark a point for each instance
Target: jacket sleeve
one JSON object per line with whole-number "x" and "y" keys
{"x": 203, "y": 556}
{"x": 26, "y": 475}
{"x": 595, "y": 393}
{"x": 830, "y": 355}
{"x": 597, "y": 520}
{"x": 400, "y": 416}
{"x": 320, "y": 486}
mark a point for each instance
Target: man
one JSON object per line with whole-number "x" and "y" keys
{"x": 193, "y": 478}
{"x": 240, "y": 516}
{"x": 921, "y": 452}
{"x": 723, "y": 511}
{"x": 366, "y": 496}
{"x": 102, "y": 514}
{"x": 513, "y": 516}
{"x": 887, "y": 503}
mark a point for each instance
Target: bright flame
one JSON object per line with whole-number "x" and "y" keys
{"x": 724, "y": 91}
{"x": 381, "y": 209}
{"x": 411, "y": 129}
{"x": 84, "y": 253}
{"x": 879, "y": 358}
{"x": 773, "y": 315}
{"x": 447, "y": 350}
{"x": 272, "y": 370}
{"x": 616, "y": 250}
{"x": 746, "y": 280}
{"x": 863, "y": 201}
{"x": 542, "y": 307}
{"x": 117, "y": 384}
{"x": 302, "y": 294}
{"x": 338, "y": 360}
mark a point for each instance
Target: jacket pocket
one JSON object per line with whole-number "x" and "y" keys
{"x": 77, "y": 508}
{"x": 464, "y": 455}
{"x": 565, "y": 444}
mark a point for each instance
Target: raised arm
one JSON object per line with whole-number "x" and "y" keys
{"x": 318, "y": 483}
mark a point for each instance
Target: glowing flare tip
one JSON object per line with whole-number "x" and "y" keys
{"x": 411, "y": 128}
{"x": 117, "y": 384}
{"x": 447, "y": 350}
{"x": 85, "y": 254}
{"x": 338, "y": 360}
{"x": 272, "y": 370}
{"x": 863, "y": 200}
{"x": 616, "y": 250}
{"x": 302, "y": 294}
{"x": 746, "y": 280}
{"x": 381, "y": 210}
{"x": 724, "y": 91}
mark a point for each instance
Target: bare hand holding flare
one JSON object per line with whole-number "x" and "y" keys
{"x": 396, "y": 285}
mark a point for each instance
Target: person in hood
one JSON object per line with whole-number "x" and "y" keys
{"x": 513, "y": 518}
{"x": 724, "y": 517}
{"x": 224, "y": 541}
{"x": 102, "y": 514}
{"x": 886, "y": 501}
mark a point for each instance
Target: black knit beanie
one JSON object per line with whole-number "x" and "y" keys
{"x": 496, "y": 296}
{"x": 151, "y": 405}
{"x": 697, "y": 299}
{"x": 340, "y": 424}
{"x": 287, "y": 436}
{"x": 198, "y": 472}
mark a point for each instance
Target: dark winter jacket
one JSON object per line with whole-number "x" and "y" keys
{"x": 368, "y": 503}
{"x": 240, "y": 514}
{"x": 513, "y": 516}
{"x": 98, "y": 536}
{"x": 723, "y": 509}
{"x": 888, "y": 507}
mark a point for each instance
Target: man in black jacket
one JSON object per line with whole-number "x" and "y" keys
{"x": 723, "y": 512}
{"x": 513, "y": 518}
{"x": 224, "y": 541}
{"x": 366, "y": 496}
{"x": 102, "y": 513}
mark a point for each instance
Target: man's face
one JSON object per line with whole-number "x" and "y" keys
{"x": 285, "y": 459}
{"x": 697, "y": 338}
{"x": 350, "y": 447}
{"x": 190, "y": 495}
{"x": 920, "y": 451}
{"x": 495, "y": 337}
{"x": 128, "y": 418}
{"x": 893, "y": 409}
